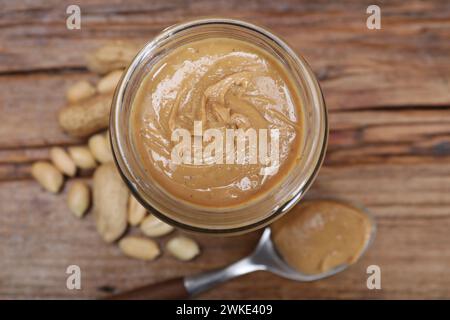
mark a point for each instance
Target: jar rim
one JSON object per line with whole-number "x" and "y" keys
{"x": 116, "y": 133}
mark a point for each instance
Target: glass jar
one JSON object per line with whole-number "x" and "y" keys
{"x": 237, "y": 220}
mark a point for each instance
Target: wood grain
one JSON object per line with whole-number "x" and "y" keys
{"x": 404, "y": 63}
{"x": 388, "y": 92}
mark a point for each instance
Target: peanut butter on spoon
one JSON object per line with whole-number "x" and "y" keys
{"x": 317, "y": 236}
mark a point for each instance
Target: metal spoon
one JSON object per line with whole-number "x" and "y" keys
{"x": 264, "y": 257}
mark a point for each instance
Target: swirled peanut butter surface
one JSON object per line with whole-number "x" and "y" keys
{"x": 222, "y": 84}
{"x": 317, "y": 236}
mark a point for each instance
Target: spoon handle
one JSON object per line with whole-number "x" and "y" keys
{"x": 169, "y": 289}
{"x": 182, "y": 288}
{"x": 204, "y": 281}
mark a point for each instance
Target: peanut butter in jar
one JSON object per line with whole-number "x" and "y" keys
{"x": 219, "y": 84}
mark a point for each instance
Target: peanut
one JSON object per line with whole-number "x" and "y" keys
{"x": 183, "y": 248}
{"x": 82, "y": 157}
{"x": 112, "y": 56}
{"x": 139, "y": 248}
{"x": 153, "y": 227}
{"x": 136, "y": 212}
{"x": 99, "y": 148}
{"x": 80, "y": 91}
{"x": 109, "y": 82}
{"x": 86, "y": 117}
{"x": 110, "y": 202}
{"x": 47, "y": 175}
{"x": 63, "y": 161}
{"x": 78, "y": 198}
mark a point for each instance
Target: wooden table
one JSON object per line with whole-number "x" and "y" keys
{"x": 388, "y": 95}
